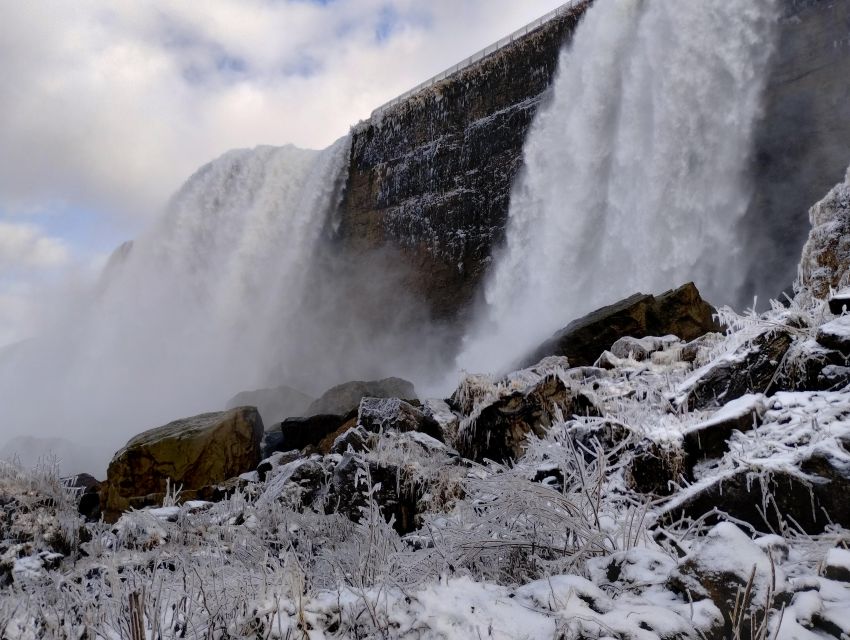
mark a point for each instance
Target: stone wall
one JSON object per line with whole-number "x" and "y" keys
{"x": 430, "y": 178}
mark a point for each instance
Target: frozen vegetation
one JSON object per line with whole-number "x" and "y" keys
{"x": 565, "y": 542}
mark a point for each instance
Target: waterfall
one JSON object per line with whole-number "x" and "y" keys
{"x": 634, "y": 170}
{"x": 195, "y": 310}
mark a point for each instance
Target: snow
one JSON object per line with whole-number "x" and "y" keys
{"x": 839, "y": 558}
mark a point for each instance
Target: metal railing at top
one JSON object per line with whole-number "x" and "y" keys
{"x": 565, "y": 8}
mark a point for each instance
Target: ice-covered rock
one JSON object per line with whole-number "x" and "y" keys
{"x": 726, "y": 566}
{"x": 748, "y": 369}
{"x": 825, "y": 263}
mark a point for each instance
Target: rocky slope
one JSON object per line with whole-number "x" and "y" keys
{"x": 671, "y": 489}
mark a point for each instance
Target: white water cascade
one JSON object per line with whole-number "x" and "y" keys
{"x": 195, "y": 311}
{"x": 634, "y": 175}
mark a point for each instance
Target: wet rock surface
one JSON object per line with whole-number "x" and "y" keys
{"x": 680, "y": 312}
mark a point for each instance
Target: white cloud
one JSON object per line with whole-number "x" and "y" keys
{"x": 24, "y": 246}
{"x": 111, "y": 105}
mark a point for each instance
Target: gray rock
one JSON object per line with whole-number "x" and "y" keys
{"x": 346, "y": 397}
{"x": 274, "y": 405}
{"x": 836, "y": 335}
{"x": 190, "y": 453}
{"x": 720, "y": 569}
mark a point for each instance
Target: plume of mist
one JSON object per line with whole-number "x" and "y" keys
{"x": 634, "y": 172}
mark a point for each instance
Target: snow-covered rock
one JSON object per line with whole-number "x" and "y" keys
{"x": 825, "y": 263}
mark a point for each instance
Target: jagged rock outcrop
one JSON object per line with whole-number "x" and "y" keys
{"x": 680, "y": 312}
{"x": 274, "y": 405}
{"x": 346, "y": 397}
{"x": 190, "y": 453}
{"x": 825, "y": 263}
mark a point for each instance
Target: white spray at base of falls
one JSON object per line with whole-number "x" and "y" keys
{"x": 634, "y": 176}
{"x": 196, "y": 310}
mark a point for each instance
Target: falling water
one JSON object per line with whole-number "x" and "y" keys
{"x": 194, "y": 311}
{"x": 634, "y": 175}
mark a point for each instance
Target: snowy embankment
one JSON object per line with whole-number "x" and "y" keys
{"x": 650, "y": 509}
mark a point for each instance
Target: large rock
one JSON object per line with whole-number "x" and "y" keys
{"x": 751, "y": 369}
{"x": 825, "y": 262}
{"x": 190, "y": 453}
{"x": 726, "y": 565}
{"x": 385, "y": 414}
{"x": 274, "y": 405}
{"x": 498, "y": 428}
{"x": 353, "y": 479}
{"x": 346, "y": 397}
{"x": 813, "y": 496}
{"x": 809, "y": 366}
{"x": 300, "y": 433}
{"x": 680, "y": 312}
{"x": 710, "y": 439}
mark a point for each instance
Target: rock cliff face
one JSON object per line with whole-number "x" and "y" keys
{"x": 430, "y": 178}
{"x": 803, "y": 139}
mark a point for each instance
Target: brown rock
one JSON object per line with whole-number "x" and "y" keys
{"x": 680, "y": 312}
{"x": 191, "y": 452}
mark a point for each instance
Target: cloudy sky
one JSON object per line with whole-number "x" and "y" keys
{"x": 106, "y": 107}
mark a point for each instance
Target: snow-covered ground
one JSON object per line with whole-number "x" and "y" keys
{"x": 563, "y": 543}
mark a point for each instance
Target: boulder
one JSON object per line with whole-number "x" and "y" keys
{"x": 353, "y": 479}
{"x": 274, "y": 405}
{"x": 299, "y": 433}
{"x": 497, "y": 429}
{"x": 726, "y": 565}
{"x": 641, "y": 349}
{"x": 384, "y": 414}
{"x": 810, "y": 366}
{"x": 190, "y": 453}
{"x": 750, "y": 369}
{"x": 836, "y": 335}
{"x": 278, "y": 459}
{"x": 825, "y": 262}
{"x": 836, "y": 566}
{"x": 655, "y": 468}
{"x": 346, "y": 397}
{"x": 356, "y": 439}
{"x": 88, "y": 489}
{"x": 813, "y": 496}
{"x": 680, "y": 312}
{"x": 709, "y": 439}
